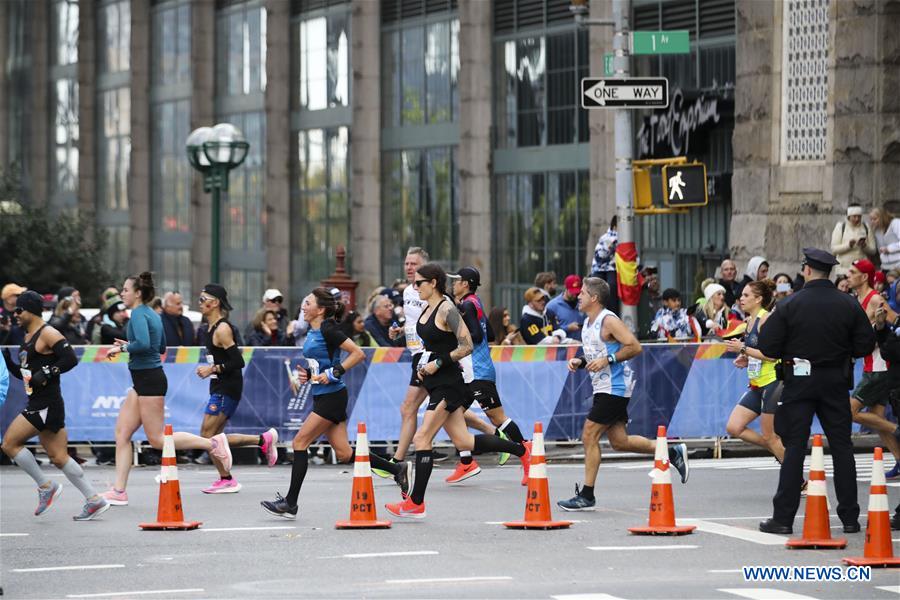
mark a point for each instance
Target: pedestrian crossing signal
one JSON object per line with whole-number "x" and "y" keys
{"x": 684, "y": 185}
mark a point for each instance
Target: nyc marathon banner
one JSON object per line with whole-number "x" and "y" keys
{"x": 690, "y": 388}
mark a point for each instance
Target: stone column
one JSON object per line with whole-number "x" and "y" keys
{"x": 278, "y": 145}
{"x": 365, "y": 148}
{"x": 88, "y": 112}
{"x": 203, "y": 69}
{"x": 4, "y": 85}
{"x": 474, "y": 154}
{"x": 602, "y": 140}
{"x": 139, "y": 166}
{"x": 39, "y": 113}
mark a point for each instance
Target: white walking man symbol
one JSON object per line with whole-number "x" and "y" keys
{"x": 676, "y": 184}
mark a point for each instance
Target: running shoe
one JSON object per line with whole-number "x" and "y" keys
{"x": 116, "y": 497}
{"x": 439, "y": 456}
{"x": 893, "y": 473}
{"x": 279, "y": 507}
{"x": 803, "y": 487}
{"x": 678, "y": 456}
{"x": 46, "y": 497}
{"x": 404, "y": 478}
{"x": 526, "y": 462}
{"x": 464, "y": 472}
{"x": 223, "y": 486}
{"x": 270, "y": 446}
{"x": 221, "y": 450}
{"x": 503, "y": 457}
{"x": 407, "y": 509}
{"x": 382, "y": 473}
{"x": 92, "y": 509}
{"x": 577, "y": 502}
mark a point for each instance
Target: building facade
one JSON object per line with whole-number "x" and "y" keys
{"x": 451, "y": 124}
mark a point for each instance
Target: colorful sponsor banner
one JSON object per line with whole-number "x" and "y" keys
{"x": 691, "y": 388}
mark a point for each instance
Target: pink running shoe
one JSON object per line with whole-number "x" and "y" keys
{"x": 269, "y": 447}
{"x": 116, "y": 497}
{"x": 221, "y": 450}
{"x": 526, "y": 462}
{"x": 223, "y": 486}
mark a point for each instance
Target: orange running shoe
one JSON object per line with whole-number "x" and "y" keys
{"x": 526, "y": 462}
{"x": 464, "y": 472}
{"x": 407, "y": 509}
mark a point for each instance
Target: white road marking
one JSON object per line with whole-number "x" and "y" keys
{"x": 723, "y": 518}
{"x": 748, "y": 535}
{"x": 765, "y": 594}
{"x": 447, "y": 580}
{"x": 672, "y": 547}
{"x": 13, "y": 534}
{"x": 69, "y": 568}
{"x": 889, "y": 588}
{"x": 502, "y": 522}
{"x": 137, "y": 593}
{"x": 380, "y": 554}
{"x": 586, "y": 597}
{"x": 248, "y": 528}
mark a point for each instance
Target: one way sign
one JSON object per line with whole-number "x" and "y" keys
{"x": 634, "y": 92}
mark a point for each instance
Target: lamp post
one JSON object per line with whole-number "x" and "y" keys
{"x": 214, "y": 151}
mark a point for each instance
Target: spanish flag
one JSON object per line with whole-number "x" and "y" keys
{"x": 627, "y": 276}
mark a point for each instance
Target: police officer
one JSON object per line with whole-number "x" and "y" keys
{"x": 815, "y": 332}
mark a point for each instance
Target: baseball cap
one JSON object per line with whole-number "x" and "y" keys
{"x": 270, "y": 295}
{"x": 30, "y": 301}
{"x": 470, "y": 275}
{"x": 864, "y": 265}
{"x": 573, "y": 284}
{"x": 218, "y": 292}
{"x": 533, "y": 293}
{"x": 11, "y": 289}
{"x": 64, "y": 292}
{"x": 394, "y": 295}
{"x": 115, "y": 307}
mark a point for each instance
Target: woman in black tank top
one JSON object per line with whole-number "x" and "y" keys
{"x": 447, "y": 340}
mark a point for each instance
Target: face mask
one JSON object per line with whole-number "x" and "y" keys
{"x": 782, "y": 287}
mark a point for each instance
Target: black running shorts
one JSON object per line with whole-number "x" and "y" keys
{"x": 456, "y": 395}
{"x": 609, "y": 409}
{"x": 332, "y": 406}
{"x": 485, "y": 394}
{"x": 149, "y": 382}
{"x": 52, "y": 417}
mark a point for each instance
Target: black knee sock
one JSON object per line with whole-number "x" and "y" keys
{"x": 262, "y": 442}
{"x": 298, "y": 474}
{"x": 384, "y": 464}
{"x": 512, "y": 431}
{"x": 424, "y": 465}
{"x": 492, "y": 443}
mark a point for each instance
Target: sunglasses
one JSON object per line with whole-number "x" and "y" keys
{"x": 277, "y": 300}
{"x": 419, "y": 282}
{"x": 18, "y": 310}
{"x": 206, "y": 298}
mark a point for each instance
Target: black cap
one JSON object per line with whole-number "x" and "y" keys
{"x": 114, "y": 308}
{"x": 469, "y": 275}
{"x": 395, "y": 296}
{"x": 819, "y": 259}
{"x": 218, "y": 292}
{"x": 31, "y": 301}
{"x": 64, "y": 292}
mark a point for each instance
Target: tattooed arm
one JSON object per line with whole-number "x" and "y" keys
{"x": 449, "y": 314}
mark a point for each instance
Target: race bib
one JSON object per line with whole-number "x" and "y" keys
{"x": 754, "y": 367}
{"x": 413, "y": 343}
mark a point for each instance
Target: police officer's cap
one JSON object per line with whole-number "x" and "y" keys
{"x": 819, "y": 259}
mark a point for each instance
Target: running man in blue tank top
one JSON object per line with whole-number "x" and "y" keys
{"x": 608, "y": 344}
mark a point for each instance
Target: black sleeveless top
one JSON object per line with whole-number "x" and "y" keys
{"x": 229, "y": 384}
{"x": 31, "y": 360}
{"x": 438, "y": 341}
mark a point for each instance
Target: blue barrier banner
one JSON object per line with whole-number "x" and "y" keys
{"x": 691, "y": 388}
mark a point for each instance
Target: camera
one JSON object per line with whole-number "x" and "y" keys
{"x": 4, "y": 320}
{"x": 399, "y": 317}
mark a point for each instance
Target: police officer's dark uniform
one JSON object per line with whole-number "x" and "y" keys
{"x": 815, "y": 332}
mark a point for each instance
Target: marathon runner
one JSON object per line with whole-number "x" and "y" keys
{"x": 446, "y": 341}
{"x": 226, "y": 385}
{"x": 608, "y": 344}
{"x": 43, "y": 357}
{"x": 145, "y": 402}
{"x": 322, "y": 347}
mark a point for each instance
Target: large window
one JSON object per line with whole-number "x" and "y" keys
{"x": 171, "y": 172}
{"x": 241, "y": 39}
{"x": 243, "y": 208}
{"x": 323, "y": 53}
{"x": 420, "y": 207}
{"x": 537, "y": 89}
{"x": 64, "y": 32}
{"x": 115, "y": 36}
{"x": 64, "y": 100}
{"x": 171, "y": 43}
{"x": 541, "y": 223}
{"x": 19, "y": 78}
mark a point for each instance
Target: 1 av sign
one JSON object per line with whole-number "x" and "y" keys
{"x": 634, "y": 92}
{"x": 661, "y": 42}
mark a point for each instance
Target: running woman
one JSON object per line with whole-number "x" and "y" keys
{"x": 765, "y": 390}
{"x": 479, "y": 374}
{"x": 43, "y": 357}
{"x": 608, "y": 344}
{"x": 145, "y": 401}
{"x": 226, "y": 384}
{"x": 446, "y": 341}
{"x": 323, "y": 344}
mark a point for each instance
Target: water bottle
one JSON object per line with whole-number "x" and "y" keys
{"x": 313, "y": 368}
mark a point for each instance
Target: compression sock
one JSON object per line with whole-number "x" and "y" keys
{"x": 492, "y": 443}
{"x": 384, "y": 464}
{"x": 424, "y": 465}
{"x": 27, "y": 463}
{"x": 298, "y": 474}
{"x": 465, "y": 457}
{"x": 74, "y": 473}
{"x": 226, "y": 477}
{"x": 586, "y": 491}
{"x": 511, "y": 430}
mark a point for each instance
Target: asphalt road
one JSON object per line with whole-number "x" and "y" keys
{"x": 459, "y": 551}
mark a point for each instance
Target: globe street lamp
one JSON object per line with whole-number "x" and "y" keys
{"x": 214, "y": 151}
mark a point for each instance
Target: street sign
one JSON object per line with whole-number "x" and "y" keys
{"x": 684, "y": 185}
{"x": 634, "y": 92}
{"x": 677, "y": 41}
{"x": 609, "y": 67}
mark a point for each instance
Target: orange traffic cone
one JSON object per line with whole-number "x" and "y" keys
{"x": 537, "y": 499}
{"x": 169, "y": 514}
{"x": 878, "y": 550}
{"x": 662, "y": 506}
{"x": 816, "y": 524}
{"x": 362, "y": 499}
